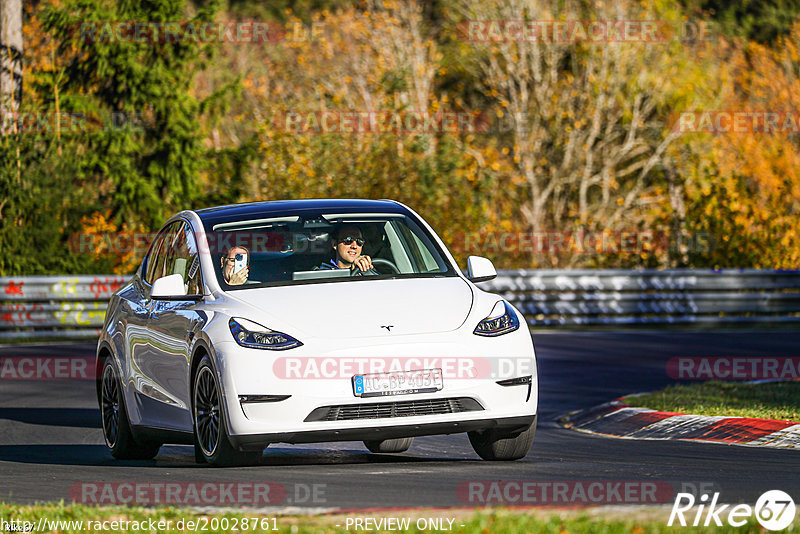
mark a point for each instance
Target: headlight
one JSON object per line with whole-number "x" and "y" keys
{"x": 501, "y": 321}
{"x": 254, "y": 336}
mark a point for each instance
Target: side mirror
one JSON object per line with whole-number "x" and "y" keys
{"x": 480, "y": 269}
{"x": 169, "y": 288}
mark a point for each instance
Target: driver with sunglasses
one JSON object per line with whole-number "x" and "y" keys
{"x": 349, "y": 244}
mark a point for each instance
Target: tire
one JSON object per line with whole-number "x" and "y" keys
{"x": 498, "y": 445}
{"x": 211, "y": 442}
{"x": 390, "y": 445}
{"x": 114, "y": 418}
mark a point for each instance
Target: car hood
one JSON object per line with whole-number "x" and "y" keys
{"x": 361, "y": 308}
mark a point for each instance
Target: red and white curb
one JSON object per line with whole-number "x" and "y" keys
{"x": 618, "y": 419}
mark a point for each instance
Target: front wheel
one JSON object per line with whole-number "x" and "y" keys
{"x": 501, "y": 445}
{"x": 116, "y": 428}
{"x": 389, "y": 445}
{"x": 211, "y": 441}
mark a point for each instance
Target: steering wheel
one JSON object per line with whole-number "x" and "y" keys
{"x": 376, "y": 262}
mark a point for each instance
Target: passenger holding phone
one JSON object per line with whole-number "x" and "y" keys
{"x": 236, "y": 266}
{"x": 349, "y": 245}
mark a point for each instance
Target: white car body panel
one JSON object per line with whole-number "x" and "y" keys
{"x": 323, "y": 311}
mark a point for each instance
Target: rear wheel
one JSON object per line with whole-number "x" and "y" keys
{"x": 116, "y": 428}
{"x": 502, "y": 445}
{"x": 211, "y": 441}
{"x": 390, "y": 445}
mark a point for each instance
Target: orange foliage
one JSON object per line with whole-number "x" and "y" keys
{"x": 750, "y": 194}
{"x": 101, "y": 238}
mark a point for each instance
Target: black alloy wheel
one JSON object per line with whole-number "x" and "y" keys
{"x": 211, "y": 441}
{"x": 206, "y": 411}
{"x": 116, "y": 428}
{"x": 109, "y": 407}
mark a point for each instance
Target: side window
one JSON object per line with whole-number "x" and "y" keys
{"x": 182, "y": 258}
{"x": 194, "y": 282}
{"x": 425, "y": 254}
{"x": 414, "y": 247}
{"x": 152, "y": 259}
{"x": 419, "y": 248}
{"x": 155, "y": 262}
{"x": 400, "y": 254}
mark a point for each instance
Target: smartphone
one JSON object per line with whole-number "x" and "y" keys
{"x": 239, "y": 263}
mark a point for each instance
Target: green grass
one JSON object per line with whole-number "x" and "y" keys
{"x": 771, "y": 400}
{"x": 484, "y": 521}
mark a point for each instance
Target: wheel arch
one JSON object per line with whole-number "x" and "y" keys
{"x": 200, "y": 349}
{"x": 104, "y": 352}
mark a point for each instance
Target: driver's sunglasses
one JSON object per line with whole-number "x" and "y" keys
{"x": 349, "y": 241}
{"x": 238, "y": 257}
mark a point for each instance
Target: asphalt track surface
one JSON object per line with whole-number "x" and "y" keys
{"x": 50, "y": 437}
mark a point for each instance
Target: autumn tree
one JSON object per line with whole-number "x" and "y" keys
{"x": 146, "y": 158}
{"x": 379, "y": 60}
{"x": 587, "y": 130}
{"x": 744, "y": 186}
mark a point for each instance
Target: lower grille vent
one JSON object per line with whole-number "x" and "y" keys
{"x": 348, "y": 412}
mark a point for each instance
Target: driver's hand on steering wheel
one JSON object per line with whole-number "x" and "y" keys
{"x": 363, "y": 263}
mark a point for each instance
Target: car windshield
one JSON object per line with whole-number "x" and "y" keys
{"x": 302, "y": 249}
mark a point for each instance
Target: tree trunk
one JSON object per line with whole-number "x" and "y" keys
{"x": 10, "y": 54}
{"x": 677, "y": 253}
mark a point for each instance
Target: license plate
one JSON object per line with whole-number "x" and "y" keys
{"x": 397, "y": 383}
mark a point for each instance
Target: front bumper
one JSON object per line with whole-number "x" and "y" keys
{"x": 379, "y": 433}
{"x": 288, "y": 415}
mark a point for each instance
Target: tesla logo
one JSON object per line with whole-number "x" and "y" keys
{"x": 388, "y": 327}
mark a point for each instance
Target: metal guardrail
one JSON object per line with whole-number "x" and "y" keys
{"x": 627, "y": 297}
{"x": 67, "y": 307}
{"x": 35, "y": 307}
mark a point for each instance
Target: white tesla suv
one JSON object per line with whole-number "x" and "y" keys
{"x": 311, "y": 321}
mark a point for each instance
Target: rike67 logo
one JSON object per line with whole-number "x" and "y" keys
{"x": 774, "y": 510}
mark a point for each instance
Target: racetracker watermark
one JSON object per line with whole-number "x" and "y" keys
{"x": 197, "y": 493}
{"x": 151, "y": 524}
{"x": 582, "y": 31}
{"x": 733, "y": 368}
{"x": 770, "y": 122}
{"x": 378, "y": 122}
{"x": 137, "y": 31}
{"x": 774, "y": 510}
{"x": 603, "y": 242}
{"x": 68, "y": 122}
{"x": 565, "y": 31}
{"x": 452, "y": 368}
{"x": 564, "y": 492}
{"x": 214, "y": 243}
{"x": 47, "y": 368}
